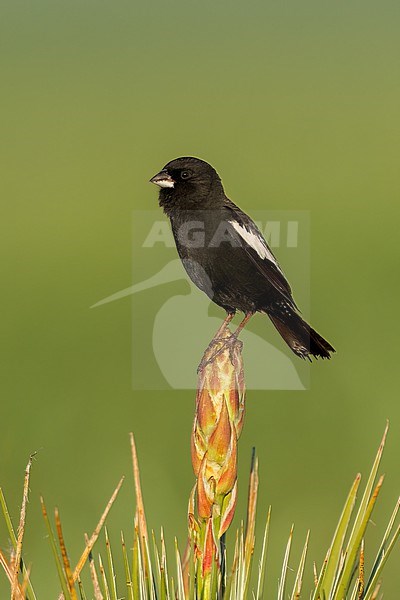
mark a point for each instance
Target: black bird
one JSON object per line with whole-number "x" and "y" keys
{"x": 226, "y": 256}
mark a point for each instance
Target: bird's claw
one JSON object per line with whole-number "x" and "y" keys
{"x": 227, "y": 343}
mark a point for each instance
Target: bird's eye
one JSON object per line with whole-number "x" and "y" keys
{"x": 186, "y": 174}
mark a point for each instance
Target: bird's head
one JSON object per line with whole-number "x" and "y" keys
{"x": 187, "y": 180}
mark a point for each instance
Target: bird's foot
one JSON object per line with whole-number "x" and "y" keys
{"x": 224, "y": 343}
{"x": 208, "y": 356}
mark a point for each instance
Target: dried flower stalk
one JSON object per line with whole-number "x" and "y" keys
{"x": 218, "y": 423}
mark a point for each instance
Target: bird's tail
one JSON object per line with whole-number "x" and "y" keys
{"x": 297, "y": 333}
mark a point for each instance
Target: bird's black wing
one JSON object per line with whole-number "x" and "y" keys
{"x": 258, "y": 250}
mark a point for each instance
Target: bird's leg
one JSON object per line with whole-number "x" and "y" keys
{"x": 224, "y": 325}
{"x": 242, "y": 324}
{"x": 227, "y": 341}
{"x": 219, "y": 335}
{"x": 235, "y": 334}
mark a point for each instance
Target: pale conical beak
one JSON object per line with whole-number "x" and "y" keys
{"x": 163, "y": 179}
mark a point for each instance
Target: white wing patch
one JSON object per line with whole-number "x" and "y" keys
{"x": 256, "y": 242}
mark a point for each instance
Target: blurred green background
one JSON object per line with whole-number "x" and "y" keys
{"x": 297, "y": 105}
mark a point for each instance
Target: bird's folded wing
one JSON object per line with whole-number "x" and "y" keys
{"x": 258, "y": 251}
